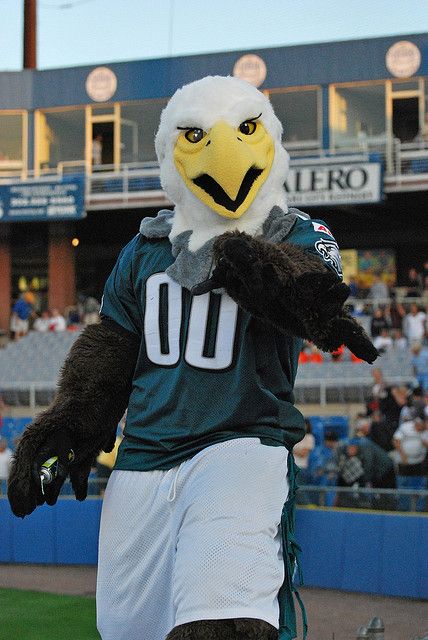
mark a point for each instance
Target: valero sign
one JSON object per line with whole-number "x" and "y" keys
{"x": 323, "y": 184}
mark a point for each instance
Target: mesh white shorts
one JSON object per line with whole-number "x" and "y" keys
{"x": 198, "y": 542}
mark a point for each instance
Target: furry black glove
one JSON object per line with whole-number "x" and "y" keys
{"x": 93, "y": 394}
{"x": 289, "y": 288}
{"x": 25, "y": 489}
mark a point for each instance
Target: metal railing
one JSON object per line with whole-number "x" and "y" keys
{"x": 404, "y": 164}
{"x": 399, "y": 500}
{"x": 331, "y": 496}
{"x": 340, "y": 391}
{"x": 29, "y": 394}
{"x": 317, "y": 388}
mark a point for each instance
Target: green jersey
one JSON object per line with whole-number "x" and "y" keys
{"x": 207, "y": 371}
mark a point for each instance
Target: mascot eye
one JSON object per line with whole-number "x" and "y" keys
{"x": 195, "y": 135}
{"x": 248, "y": 127}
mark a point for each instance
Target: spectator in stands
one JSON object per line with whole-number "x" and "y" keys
{"x": 383, "y": 342}
{"x": 21, "y": 313}
{"x": 394, "y": 313}
{"x": 2, "y": 410}
{"x": 378, "y": 322}
{"x": 379, "y": 290}
{"x": 414, "y": 284}
{"x": 420, "y": 364}
{"x": 411, "y": 442}
{"x": 392, "y": 404}
{"x": 414, "y": 325}
{"x": 91, "y": 311}
{"x": 302, "y": 451}
{"x": 362, "y": 463}
{"x": 413, "y": 405}
{"x": 381, "y": 432}
{"x": 310, "y": 353}
{"x": 315, "y": 355}
{"x": 337, "y": 355}
{"x": 97, "y": 150}
{"x": 42, "y": 323}
{"x": 322, "y": 468}
{"x": 362, "y": 426}
{"x": 57, "y": 321}
{"x": 72, "y": 318}
{"x": 399, "y": 341}
{"x": 353, "y": 287}
{"x": 378, "y": 391}
{"x": 350, "y": 473}
{"x": 425, "y": 276}
{"x": 5, "y": 460}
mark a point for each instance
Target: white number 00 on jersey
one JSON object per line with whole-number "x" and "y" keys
{"x": 211, "y": 329}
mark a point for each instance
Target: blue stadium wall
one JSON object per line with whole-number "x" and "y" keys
{"x": 316, "y": 64}
{"x": 381, "y": 553}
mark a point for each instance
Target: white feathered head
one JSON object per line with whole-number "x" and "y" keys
{"x": 221, "y": 157}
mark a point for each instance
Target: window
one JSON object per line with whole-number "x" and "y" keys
{"x": 300, "y": 114}
{"x": 357, "y": 115}
{"x": 12, "y": 141}
{"x": 139, "y": 123}
{"x": 60, "y": 137}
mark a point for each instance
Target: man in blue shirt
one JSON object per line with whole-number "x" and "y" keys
{"x": 21, "y": 313}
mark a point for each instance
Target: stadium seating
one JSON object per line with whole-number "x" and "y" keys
{"x": 350, "y": 381}
{"x": 31, "y": 366}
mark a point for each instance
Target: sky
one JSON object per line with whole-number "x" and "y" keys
{"x": 80, "y": 32}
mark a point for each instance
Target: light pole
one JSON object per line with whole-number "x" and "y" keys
{"x": 30, "y": 31}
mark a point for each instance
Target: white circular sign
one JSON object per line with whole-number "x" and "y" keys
{"x": 250, "y": 68}
{"x": 403, "y": 59}
{"x": 101, "y": 84}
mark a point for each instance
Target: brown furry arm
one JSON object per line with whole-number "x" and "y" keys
{"x": 94, "y": 389}
{"x": 289, "y": 288}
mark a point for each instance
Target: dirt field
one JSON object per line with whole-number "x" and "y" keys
{"x": 333, "y": 615}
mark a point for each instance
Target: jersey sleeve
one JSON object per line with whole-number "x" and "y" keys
{"x": 119, "y": 301}
{"x": 315, "y": 236}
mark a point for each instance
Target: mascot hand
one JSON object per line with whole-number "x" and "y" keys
{"x": 324, "y": 292}
{"x": 355, "y": 338}
{"x": 240, "y": 271}
{"x": 338, "y": 331}
{"x": 25, "y": 489}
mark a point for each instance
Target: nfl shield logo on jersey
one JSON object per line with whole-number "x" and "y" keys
{"x": 329, "y": 251}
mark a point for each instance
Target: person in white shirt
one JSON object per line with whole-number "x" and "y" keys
{"x": 57, "y": 321}
{"x": 414, "y": 324}
{"x": 42, "y": 324}
{"x": 5, "y": 459}
{"x": 97, "y": 150}
{"x": 301, "y": 451}
{"x": 383, "y": 342}
{"x": 399, "y": 341}
{"x": 379, "y": 289}
{"x": 411, "y": 442}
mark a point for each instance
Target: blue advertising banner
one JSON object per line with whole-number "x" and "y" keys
{"x": 43, "y": 200}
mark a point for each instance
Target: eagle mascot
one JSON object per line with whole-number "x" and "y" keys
{"x": 201, "y": 327}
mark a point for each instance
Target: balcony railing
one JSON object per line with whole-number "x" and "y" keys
{"x": 138, "y": 183}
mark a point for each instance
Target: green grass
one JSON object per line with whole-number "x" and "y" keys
{"x": 30, "y": 615}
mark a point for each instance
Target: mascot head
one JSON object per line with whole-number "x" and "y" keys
{"x": 221, "y": 157}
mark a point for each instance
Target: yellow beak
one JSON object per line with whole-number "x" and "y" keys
{"x": 226, "y": 168}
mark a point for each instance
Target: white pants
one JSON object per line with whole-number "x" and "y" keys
{"x": 198, "y": 542}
